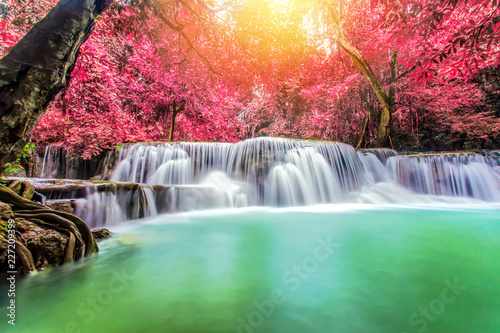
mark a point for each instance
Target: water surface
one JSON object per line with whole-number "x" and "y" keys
{"x": 316, "y": 270}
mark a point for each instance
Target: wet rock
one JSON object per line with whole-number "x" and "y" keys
{"x": 101, "y": 233}
{"x": 6, "y": 212}
{"x": 46, "y": 246}
{"x": 40, "y": 198}
{"x": 67, "y": 206}
{"x": 64, "y": 188}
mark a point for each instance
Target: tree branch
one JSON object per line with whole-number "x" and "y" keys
{"x": 177, "y": 29}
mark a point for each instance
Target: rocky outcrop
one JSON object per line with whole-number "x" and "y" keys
{"x": 101, "y": 233}
{"x": 64, "y": 205}
{"x": 46, "y": 246}
{"x": 42, "y": 236}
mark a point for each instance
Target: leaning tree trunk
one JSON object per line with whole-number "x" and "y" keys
{"x": 371, "y": 110}
{"x": 384, "y": 119}
{"x": 38, "y": 68}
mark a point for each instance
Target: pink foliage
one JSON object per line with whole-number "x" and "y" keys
{"x": 134, "y": 70}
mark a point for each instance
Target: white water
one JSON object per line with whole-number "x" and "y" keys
{"x": 47, "y": 152}
{"x": 58, "y": 163}
{"x": 99, "y": 208}
{"x": 281, "y": 172}
{"x": 462, "y": 175}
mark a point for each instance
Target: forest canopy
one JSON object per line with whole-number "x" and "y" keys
{"x": 408, "y": 74}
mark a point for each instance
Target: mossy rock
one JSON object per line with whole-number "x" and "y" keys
{"x": 6, "y": 212}
{"x": 101, "y": 233}
{"x": 4, "y": 227}
{"x": 47, "y": 246}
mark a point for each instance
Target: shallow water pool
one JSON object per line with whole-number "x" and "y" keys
{"x": 316, "y": 270}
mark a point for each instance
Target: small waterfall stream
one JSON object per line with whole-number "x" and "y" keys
{"x": 98, "y": 207}
{"x": 185, "y": 176}
{"x": 58, "y": 163}
{"x": 463, "y": 175}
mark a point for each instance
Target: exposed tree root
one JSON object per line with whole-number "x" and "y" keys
{"x": 28, "y": 191}
{"x": 80, "y": 239}
{"x": 54, "y": 221}
{"x": 15, "y": 186}
{"x": 16, "y": 201}
{"x": 25, "y": 256}
{"x": 70, "y": 254}
{"x": 83, "y": 228}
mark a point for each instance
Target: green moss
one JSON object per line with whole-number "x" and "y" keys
{"x": 100, "y": 182}
{"x": 15, "y": 167}
{"x": 4, "y": 230}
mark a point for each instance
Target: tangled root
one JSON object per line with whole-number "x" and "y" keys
{"x": 80, "y": 243}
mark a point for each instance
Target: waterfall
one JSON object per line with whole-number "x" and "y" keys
{"x": 137, "y": 202}
{"x": 305, "y": 177}
{"x": 45, "y": 158}
{"x": 120, "y": 203}
{"x": 153, "y": 178}
{"x": 58, "y": 163}
{"x": 320, "y": 171}
{"x": 169, "y": 163}
{"x": 99, "y": 208}
{"x": 464, "y": 175}
{"x": 149, "y": 201}
{"x": 383, "y": 154}
{"x": 283, "y": 172}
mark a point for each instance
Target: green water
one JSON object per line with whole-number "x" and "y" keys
{"x": 370, "y": 270}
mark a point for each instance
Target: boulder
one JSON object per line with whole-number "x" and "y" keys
{"x": 67, "y": 206}
{"x": 47, "y": 246}
{"x": 101, "y": 233}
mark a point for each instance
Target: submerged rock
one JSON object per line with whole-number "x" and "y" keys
{"x": 101, "y": 233}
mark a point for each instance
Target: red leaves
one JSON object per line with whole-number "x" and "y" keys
{"x": 123, "y": 90}
{"x": 133, "y": 70}
{"x": 462, "y": 34}
{"x": 8, "y": 39}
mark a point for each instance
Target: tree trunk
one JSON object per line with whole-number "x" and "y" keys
{"x": 384, "y": 119}
{"x": 172, "y": 127}
{"x": 363, "y": 133}
{"x": 175, "y": 111}
{"x": 38, "y": 68}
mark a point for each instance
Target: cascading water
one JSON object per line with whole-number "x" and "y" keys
{"x": 154, "y": 178}
{"x": 58, "y": 163}
{"x": 282, "y": 172}
{"x": 99, "y": 208}
{"x": 166, "y": 163}
{"x": 463, "y": 175}
{"x": 45, "y": 156}
{"x": 305, "y": 177}
{"x": 266, "y": 171}
{"x": 382, "y": 154}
